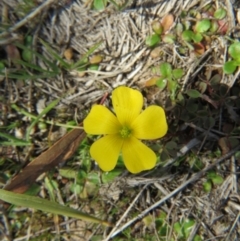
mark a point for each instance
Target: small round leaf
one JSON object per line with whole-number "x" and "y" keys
{"x": 187, "y": 35}
{"x": 203, "y": 25}
{"x": 166, "y": 69}
{"x": 161, "y": 83}
{"x": 99, "y": 4}
{"x": 152, "y": 40}
{"x": 193, "y": 93}
{"x": 207, "y": 186}
{"x": 220, "y": 13}
{"x": 177, "y": 73}
{"x": 234, "y": 50}
{"x": 229, "y": 67}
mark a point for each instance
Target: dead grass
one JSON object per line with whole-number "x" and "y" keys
{"x": 174, "y": 188}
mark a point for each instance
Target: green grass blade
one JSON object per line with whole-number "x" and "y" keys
{"x": 55, "y": 55}
{"x": 85, "y": 56}
{"x": 13, "y": 141}
{"x": 34, "y": 117}
{"x": 46, "y": 206}
{"x": 45, "y": 111}
{"x": 53, "y": 66}
{"x": 35, "y": 67}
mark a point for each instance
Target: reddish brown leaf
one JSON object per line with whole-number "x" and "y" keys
{"x": 55, "y": 155}
{"x": 224, "y": 145}
{"x": 199, "y": 48}
{"x": 13, "y": 54}
{"x": 223, "y": 26}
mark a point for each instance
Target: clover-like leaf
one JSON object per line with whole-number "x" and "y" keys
{"x": 157, "y": 27}
{"x": 169, "y": 38}
{"x": 220, "y": 13}
{"x": 99, "y": 4}
{"x": 177, "y": 73}
{"x": 187, "y": 35}
{"x": 207, "y": 186}
{"x": 203, "y": 25}
{"x": 187, "y": 227}
{"x": 161, "y": 82}
{"x": 165, "y": 69}
{"x": 152, "y": 40}
{"x": 197, "y": 37}
{"x": 193, "y": 93}
{"x": 229, "y": 67}
{"x": 234, "y": 50}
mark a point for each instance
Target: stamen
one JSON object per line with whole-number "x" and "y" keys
{"x": 125, "y": 132}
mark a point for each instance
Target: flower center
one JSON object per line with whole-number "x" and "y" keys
{"x": 125, "y": 132}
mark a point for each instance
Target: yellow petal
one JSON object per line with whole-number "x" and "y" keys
{"x": 127, "y": 104}
{"x": 137, "y": 156}
{"x": 150, "y": 124}
{"x": 100, "y": 121}
{"x": 105, "y": 151}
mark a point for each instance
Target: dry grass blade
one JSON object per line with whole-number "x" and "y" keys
{"x": 194, "y": 178}
{"x": 58, "y": 153}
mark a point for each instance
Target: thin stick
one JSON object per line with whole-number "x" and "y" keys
{"x": 177, "y": 190}
{"x": 126, "y": 213}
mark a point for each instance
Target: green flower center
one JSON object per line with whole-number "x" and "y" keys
{"x": 125, "y": 132}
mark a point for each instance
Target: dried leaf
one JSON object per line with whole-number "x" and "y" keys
{"x": 152, "y": 81}
{"x": 68, "y": 53}
{"x": 13, "y": 54}
{"x": 224, "y": 145}
{"x": 167, "y": 22}
{"x": 55, "y": 155}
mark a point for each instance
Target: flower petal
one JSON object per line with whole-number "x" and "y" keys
{"x": 100, "y": 121}
{"x": 150, "y": 124}
{"x": 127, "y": 104}
{"x": 105, "y": 151}
{"x": 137, "y": 156}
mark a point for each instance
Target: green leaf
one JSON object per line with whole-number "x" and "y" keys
{"x": 177, "y": 227}
{"x": 203, "y": 25}
{"x": 197, "y": 238}
{"x": 152, "y": 40}
{"x": 99, "y": 4}
{"x": 177, "y": 73}
{"x": 172, "y": 87}
{"x": 46, "y": 206}
{"x": 220, "y": 13}
{"x": 234, "y": 50}
{"x": 207, "y": 186}
{"x": 165, "y": 70}
{"x": 93, "y": 67}
{"x": 187, "y": 227}
{"x": 27, "y": 55}
{"x": 157, "y": 27}
{"x": 2, "y": 66}
{"x": 197, "y": 37}
{"x": 193, "y": 93}
{"x": 187, "y": 35}
{"x": 229, "y": 67}
{"x": 161, "y": 83}
{"x": 169, "y": 38}
{"x": 108, "y": 177}
{"x": 217, "y": 179}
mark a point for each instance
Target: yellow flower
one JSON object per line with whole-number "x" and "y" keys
{"x": 123, "y": 131}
